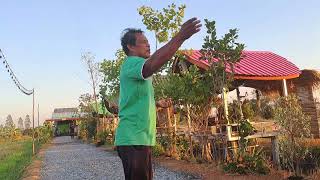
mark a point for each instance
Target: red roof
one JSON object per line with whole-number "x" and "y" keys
{"x": 257, "y": 65}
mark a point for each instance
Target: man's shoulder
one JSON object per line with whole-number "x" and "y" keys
{"x": 133, "y": 60}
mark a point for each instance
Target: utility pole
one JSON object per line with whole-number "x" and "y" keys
{"x": 22, "y": 89}
{"x": 38, "y": 115}
{"x": 33, "y": 149}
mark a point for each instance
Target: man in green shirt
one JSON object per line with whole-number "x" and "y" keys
{"x": 136, "y": 132}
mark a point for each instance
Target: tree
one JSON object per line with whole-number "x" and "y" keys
{"x": 88, "y": 123}
{"x": 27, "y": 122}
{"x": 164, "y": 24}
{"x": 20, "y": 123}
{"x": 294, "y": 127}
{"x": 85, "y": 103}
{"x": 110, "y": 87}
{"x": 9, "y": 122}
{"x": 93, "y": 69}
{"x": 197, "y": 90}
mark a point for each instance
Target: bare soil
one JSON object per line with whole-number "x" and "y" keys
{"x": 213, "y": 171}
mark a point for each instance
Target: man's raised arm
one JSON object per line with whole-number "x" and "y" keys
{"x": 165, "y": 53}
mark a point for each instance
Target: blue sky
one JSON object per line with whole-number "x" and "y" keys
{"x": 43, "y": 40}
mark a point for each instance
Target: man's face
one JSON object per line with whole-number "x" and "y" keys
{"x": 142, "y": 47}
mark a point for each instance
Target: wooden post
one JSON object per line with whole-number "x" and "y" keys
{"x": 175, "y": 123}
{"x": 239, "y": 102}
{"x": 258, "y": 100}
{"x": 188, "y": 115}
{"x": 284, "y": 87}
{"x": 225, "y": 104}
{"x": 228, "y": 126}
{"x": 169, "y": 131}
{"x": 275, "y": 151}
{"x": 189, "y": 129}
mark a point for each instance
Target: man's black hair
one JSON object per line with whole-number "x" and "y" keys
{"x": 129, "y": 38}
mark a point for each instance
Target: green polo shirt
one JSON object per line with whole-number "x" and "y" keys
{"x": 137, "y": 110}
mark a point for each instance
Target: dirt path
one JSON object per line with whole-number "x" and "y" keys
{"x": 70, "y": 159}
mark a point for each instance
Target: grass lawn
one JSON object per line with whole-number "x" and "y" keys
{"x": 14, "y": 157}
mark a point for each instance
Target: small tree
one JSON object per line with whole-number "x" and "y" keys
{"x": 20, "y": 123}
{"x": 294, "y": 126}
{"x": 110, "y": 87}
{"x": 93, "y": 69}
{"x": 196, "y": 89}
{"x": 164, "y": 24}
{"x": 9, "y": 122}
{"x": 27, "y": 122}
{"x": 88, "y": 123}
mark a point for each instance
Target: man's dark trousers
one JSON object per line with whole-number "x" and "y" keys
{"x": 136, "y": 161}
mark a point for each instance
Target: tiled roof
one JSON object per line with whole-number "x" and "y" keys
{"x": 258, "y": 65}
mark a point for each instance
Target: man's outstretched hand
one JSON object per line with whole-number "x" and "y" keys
{"x": 188, "y": 29}
{"x": 165, "y": 53}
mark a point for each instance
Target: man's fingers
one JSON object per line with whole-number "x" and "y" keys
{"x": 192, "y": 24}
{"x": 194, "y": 27}
{"x": 190, "y": 27}
{"x": 190, "y": 20}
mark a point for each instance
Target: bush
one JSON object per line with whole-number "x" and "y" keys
{"x": 182, "y": 147}
{"x": 267, "y": 111}
{"x": 234, "y": 111}
{"x": 88, "y": 128}
{"x": 157, "y": 150}
{"x": 294, "y": 128}
{"x": 102, "y": 137}
{"x": 267, "y": 108}
{"x": 248, "y": 164}
{"x": 235, "y": 114}
{"x": 247, "y": 110}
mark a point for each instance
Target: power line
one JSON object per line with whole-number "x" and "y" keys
{"x": 23, "y": 90}
{"x": 13, "y": 76}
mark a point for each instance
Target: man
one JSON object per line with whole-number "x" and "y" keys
{"x": 135, "y": 134}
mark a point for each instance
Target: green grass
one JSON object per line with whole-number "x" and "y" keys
{"x": 14, "y": 157}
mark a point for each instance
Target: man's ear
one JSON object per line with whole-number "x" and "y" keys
{"x": 130, "y": 47}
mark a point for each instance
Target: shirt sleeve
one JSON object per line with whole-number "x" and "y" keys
{"x": 134, "y": 68}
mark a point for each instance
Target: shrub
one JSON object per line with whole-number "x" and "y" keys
{"x": 157, "y": 150}
{"x": 267, "y": 111}
{"x": 183, "y": 147}
{"x": 247, "y": 110}
{"x": 294, "y": 127}
{"x": 248, "y": 164}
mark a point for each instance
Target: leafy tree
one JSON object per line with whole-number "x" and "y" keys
{"x": 110, "y": 87}
{"x": 88, "y": 124}
{"x": 196, "y": 89}
{"x": 20, "y": 123}
{"x": 294, "y": 126}
{"x": 164, "y": 24}
{"x": 27, "y": 122}
{"x": 9, "y": 122}
{"x": 222, "y": 55}
{"x": 85, "y": 103}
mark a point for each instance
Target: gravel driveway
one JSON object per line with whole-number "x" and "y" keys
{"x": 70, "y": 159}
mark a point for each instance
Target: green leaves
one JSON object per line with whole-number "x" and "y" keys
{"x": 165, "y": 24}
{"x": 294, "y": 126}
{"x": 110, "y": 69}
{"x": 221, "y": 54}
